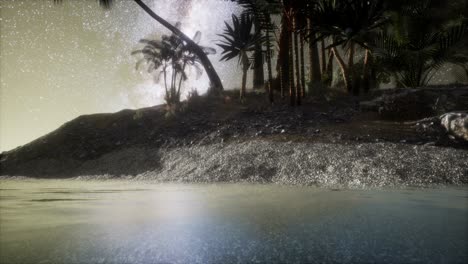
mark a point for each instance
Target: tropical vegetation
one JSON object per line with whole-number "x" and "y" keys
{"x": 238, "y": 41}
{"x": 171, "y": 56}
{"x": 367, "y": 42}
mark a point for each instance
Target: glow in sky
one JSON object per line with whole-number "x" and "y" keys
{"x": 59, "y": 62}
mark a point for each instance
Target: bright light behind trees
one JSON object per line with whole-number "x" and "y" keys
{"x": 62, "y": 61}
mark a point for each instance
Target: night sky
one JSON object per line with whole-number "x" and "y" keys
{"x": 62, "y": 61}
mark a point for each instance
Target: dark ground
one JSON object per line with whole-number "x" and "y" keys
{"x": 213, "y": 120}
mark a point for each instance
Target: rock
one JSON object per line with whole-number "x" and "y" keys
{"x": 456, "y": 124}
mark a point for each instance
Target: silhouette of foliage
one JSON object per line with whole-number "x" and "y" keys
{"x": 238, "y": 41}
{"x": 171, "y": 55}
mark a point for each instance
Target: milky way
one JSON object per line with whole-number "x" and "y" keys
{"x": 62, "y": 61}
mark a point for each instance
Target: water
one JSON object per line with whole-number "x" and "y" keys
{"x": 123, "y": 222}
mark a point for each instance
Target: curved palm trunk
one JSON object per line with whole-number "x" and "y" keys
{"x": 216, "y": 85}
{"x": 344, "y": 69}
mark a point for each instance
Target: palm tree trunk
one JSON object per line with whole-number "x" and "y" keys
{"x": 283, "y": 56}
{"x": 303, "y": 82}
{"x": 181, "y": 79}
{"x": 245, "y": 64}
{"x": 268, "y": 57}
{"x": 216, "y": 86}
{"x": 329, "y": 71}
{"x": 244, "y": 82}
{"x": 258, "y": 76}
{"x": 344, "y": 69}
{"x": 351, "y": 55}
{"x": 352, "y": 76}
{"x": 296, "y": 53}
{"x": 419, "y": 77}
{"x": 365, "y": 71}
{"x": 165, "y": 80}
{"x": 315, "y": 75}
{"x": 173, "y": 82}
{"x": 324, "y": 60}
{"x": 292, "y": 97}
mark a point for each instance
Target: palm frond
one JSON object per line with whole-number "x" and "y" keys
{"x": 238, "y": 38}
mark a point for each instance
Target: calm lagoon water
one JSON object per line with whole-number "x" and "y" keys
{"x": 72, "y": 221}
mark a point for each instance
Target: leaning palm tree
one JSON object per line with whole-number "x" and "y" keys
{"x": 239, "y": 41}
{"x": 216, "y": 85}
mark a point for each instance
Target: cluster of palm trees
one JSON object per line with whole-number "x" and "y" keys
{"x": 368, "y": 41}
{"x": 170, "y": 56}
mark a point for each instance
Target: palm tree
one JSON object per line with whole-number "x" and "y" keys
{"x": 216, "y": 85}
{"x": 415, "y": 57}
{"x": 300, "y": 17}
{"x": 283, "y": 64}
{"x": 315, "y": 73}
{"x": 289, "y": 21}
{"x": 238, "y": 41}
{"x": 302, "y": 57}
{"x": 171, "y": 52}
{"x": 269, "y": 54}
{"x": 298, "y": 91}
{"x": 261, "y": 11}
{"x": 156, "y": 54}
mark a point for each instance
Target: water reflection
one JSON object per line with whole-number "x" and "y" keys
{"x": 122, "y": 222}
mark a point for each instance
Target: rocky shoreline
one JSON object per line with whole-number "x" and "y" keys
{"x": 263, "y": 161}
{"x": 319, "y": 143}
